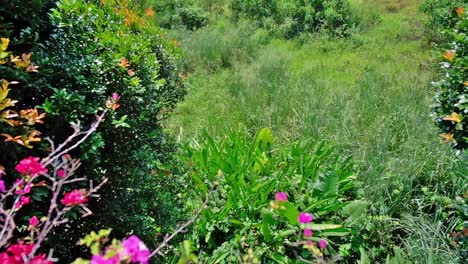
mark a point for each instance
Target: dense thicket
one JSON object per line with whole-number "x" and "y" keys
{"x": 86, "y": 52}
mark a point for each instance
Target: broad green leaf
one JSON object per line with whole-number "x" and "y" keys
{"x": 264, "y": 139}
{"x": 322, "y": 226}
{"x": 80, "y": 261}
{"x": 355, "y": 209}
{"x": 290, "y": 212}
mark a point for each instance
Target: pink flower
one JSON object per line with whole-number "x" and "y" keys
{"x": 74, "y": 197}
{"x": 115, "y": 96}
{"x": 98, "y": 259}
{"x": 2, "y": 186}
{"x": 23, "y": 201}
{"x": 61, "y": 173}
{"x": 18, "y": 250}
{"x": 308, "y": 232}
{"x": 21, "y": 188}
{"x": 33, "y": 221}
{"x": 305, "y": 218}
{"x": 136, "y": 249}
{"x": 281, "y": 196}
{"x": 323, "y": 244}
{"x": 31, "y": 166}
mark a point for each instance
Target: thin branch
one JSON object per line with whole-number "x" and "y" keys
{"x": 182, "y": 227}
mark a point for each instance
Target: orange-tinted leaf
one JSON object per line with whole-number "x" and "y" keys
{"x": 4, "y": 45}
{"x": 124, "y": 63}
{"x": 447, "y": 137}
{"x": 449, "y": 55}
{"x": 460, "y": 11}
{"x": 455, "y": 117}
{"x": 10, "y": 138}
{"x": 32, "y": 115}
{"x": 149, "y": 12}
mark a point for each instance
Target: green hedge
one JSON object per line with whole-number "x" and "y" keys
{"x": 86, "y": 51}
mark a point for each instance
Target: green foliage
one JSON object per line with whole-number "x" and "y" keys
{"x": 86, "y": 52}
{"x": 179, "y": 13}
{"x": 247, "y": 172}
{"x": 442, "y": 12}
{"x": 451, "y": 101}
{"x": 292, "y": 17}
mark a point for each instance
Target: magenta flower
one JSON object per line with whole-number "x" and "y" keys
{"x": 22, "y": 201}
{"x": 323, "y": 244}
{"x": 98, "y": 259}
{"x": 136, "y": 249}
{"x": 115, "y": 96}
{"x": 305, "y": 218}
{"x": 281, "y": 196}
{"x": 61, "y": 173}
{"x": 31, "y": 166}
{"x": 2, "y": 186}
{"x": 33, "y": 221}
{"x": 308, "y": 232}
{"x": 74, "y": 197}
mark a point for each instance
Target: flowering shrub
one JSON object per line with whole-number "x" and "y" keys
{"x": 56, "y": 172}
{"x": 87, "y": 50}
{"x": 277, "y": 201}
{"x": 451, "y": 101}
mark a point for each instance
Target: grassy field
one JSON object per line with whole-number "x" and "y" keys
{"x": 369, "y": 94}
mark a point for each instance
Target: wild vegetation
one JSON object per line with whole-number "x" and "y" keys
{"x": 233, "y": 131}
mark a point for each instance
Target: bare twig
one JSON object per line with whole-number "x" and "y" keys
{"x": 182, "y": 227}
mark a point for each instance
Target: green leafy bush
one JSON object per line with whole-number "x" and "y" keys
{"x": 451, "y": 101}
{"x": 179, "y": 13}
{"x": 441, "y": 12}
{"x": 292, "y": 17}
{"x": 86, "y": 52}
{"x": 246, "y": 174}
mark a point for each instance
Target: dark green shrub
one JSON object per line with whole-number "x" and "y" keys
{"x": 179, "y": 13}
{"x": 451, "y": 101}
{"x": 247, "y": 173}
{"x": 441, "y": 12}
{"x": 291, "y": 17}
{"x": 87, "y": 52}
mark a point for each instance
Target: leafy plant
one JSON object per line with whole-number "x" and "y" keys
{"x": 248, "y": 173}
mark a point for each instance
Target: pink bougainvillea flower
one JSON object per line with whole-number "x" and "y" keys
{"x": 74, "y": 197}
{"x": 281, "y": 196}
{"x": 21, "y": 188}
{"x": 99, "y": 259}
{"x": 33, "y": 221}
{"x": 61, "y": 173}
{"x": 115, "y": 96}
{"x": 323, "y": 244}
{"x": 308, "y": 232}
{"x": 22, "y": 201}
{"x": 18, "y": 251}
{"x": 5, "y": 258}
{"x": 2, "y": 186}
{"x": 305, "y": 218}
{"x": 40, "y": 259}
{"x": 31, "y": 166}
{"x": 136, "y": 249}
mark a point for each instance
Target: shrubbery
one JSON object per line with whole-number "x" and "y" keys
{"x": 451, "y": 101}
{"x": 85, "y": 52}
{"x": 292, "y": 17}
{"x": 178, "y": 13}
